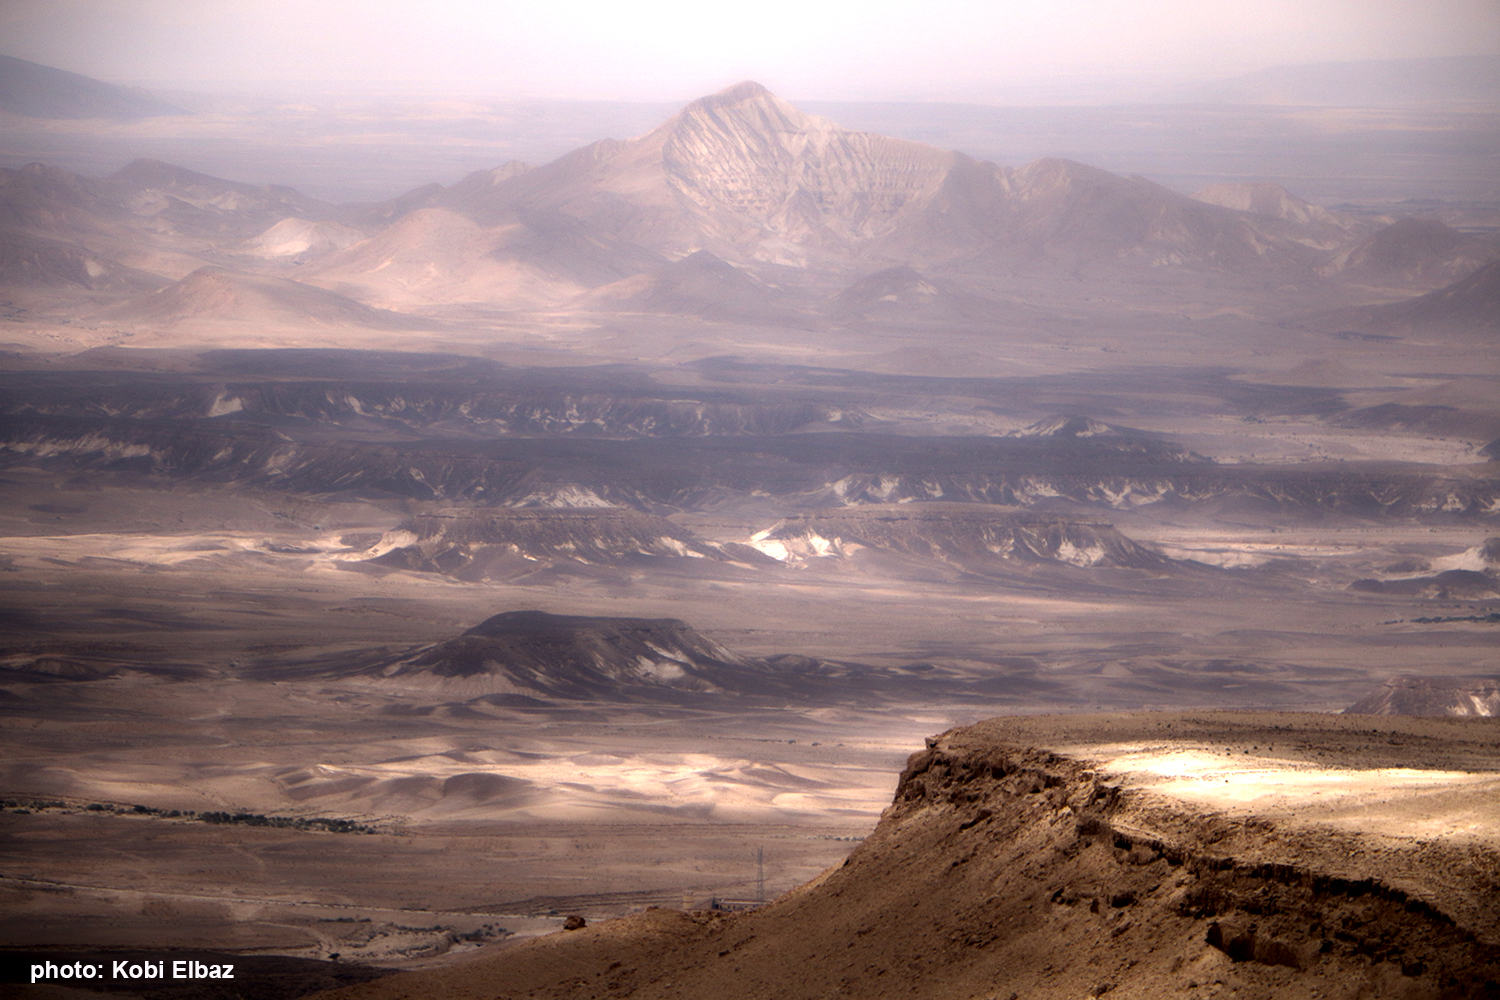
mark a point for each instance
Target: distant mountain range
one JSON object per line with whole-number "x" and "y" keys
{"x": 739, "y": 208}
{"x": 36, "y": 91}
{"x": 755, "y": 181}
{"x": 1367, "y": 83}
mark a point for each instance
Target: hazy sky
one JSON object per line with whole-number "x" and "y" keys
{"x": 674, "y": 49}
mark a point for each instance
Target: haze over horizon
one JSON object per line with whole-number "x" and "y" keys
{"x": 964, "y": 51}
{"x": 470, "y": 471}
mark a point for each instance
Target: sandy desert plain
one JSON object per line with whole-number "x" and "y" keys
{"x": 387, "y": 581}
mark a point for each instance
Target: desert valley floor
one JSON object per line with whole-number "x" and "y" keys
{"x": 384, "y": 583}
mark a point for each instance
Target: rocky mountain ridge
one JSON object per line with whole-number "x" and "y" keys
{"x": 770, "y": 192}
{"x": 979, "y": 539}
{"x": 661, "y": 475}
{"x": 37, "y": 91}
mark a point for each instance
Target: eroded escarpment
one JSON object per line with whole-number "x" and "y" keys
{"x": 1165, "y": 882}
{"x": 668, "y": 475}
{"x": 1005, "y": 868}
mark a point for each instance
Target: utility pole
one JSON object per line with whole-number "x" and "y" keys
{"x": 760, "y": 874}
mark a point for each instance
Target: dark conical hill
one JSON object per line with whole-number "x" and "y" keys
{"x": 585, "y": 657}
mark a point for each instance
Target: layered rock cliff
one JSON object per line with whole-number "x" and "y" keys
{"x": 1016, "y": 862}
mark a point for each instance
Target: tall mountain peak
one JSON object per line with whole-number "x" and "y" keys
{"x": 745, "y": 107}
{"x": 746, "y": 90}
{"x": 754, "y": 179}
{"x": 792, "y": 175}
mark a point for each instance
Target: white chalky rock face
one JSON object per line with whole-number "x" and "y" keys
{"x": 1455, "y": 697}
{"x": 563, "y": 497}
{"x": 224, "y": 404}
{"x": 394, "y": 539}
{"x": 292, "y": 236}
{"x": 1090, "y": 555}
{"x": 485, "y": 544}
{"x": 750, "y": 152}
{"x": 970, "y": 535}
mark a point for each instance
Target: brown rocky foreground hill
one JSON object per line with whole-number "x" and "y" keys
{"x": 1144, "y": 855}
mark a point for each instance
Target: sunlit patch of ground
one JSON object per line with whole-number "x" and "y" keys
{"x": 178, "y": 549}
{"x": 1339, "y": 554}
{"x": 1390, "y": 801}
{"x": 1232, "y": 441}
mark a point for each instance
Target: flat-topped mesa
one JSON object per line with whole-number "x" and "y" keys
{"x": 1247, "y": 831}
{"x": 1139, "y": 855}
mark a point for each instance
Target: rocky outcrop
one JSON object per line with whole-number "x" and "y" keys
{"x": 165, "y": 198}
{"x": 665, "y": 474}
{"x": 1458, "y": 697}
{"x": 746, "y": 154}
{"x": 506, "y": 544}
{"x": 483, "y": 402}
{"x": 975, "y": 537}
{"x": 1451, "y": 583}
{"x": 1275, "y": 201}
{"x": 1007, "y": 866}
{"x": 582, "y": 657}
